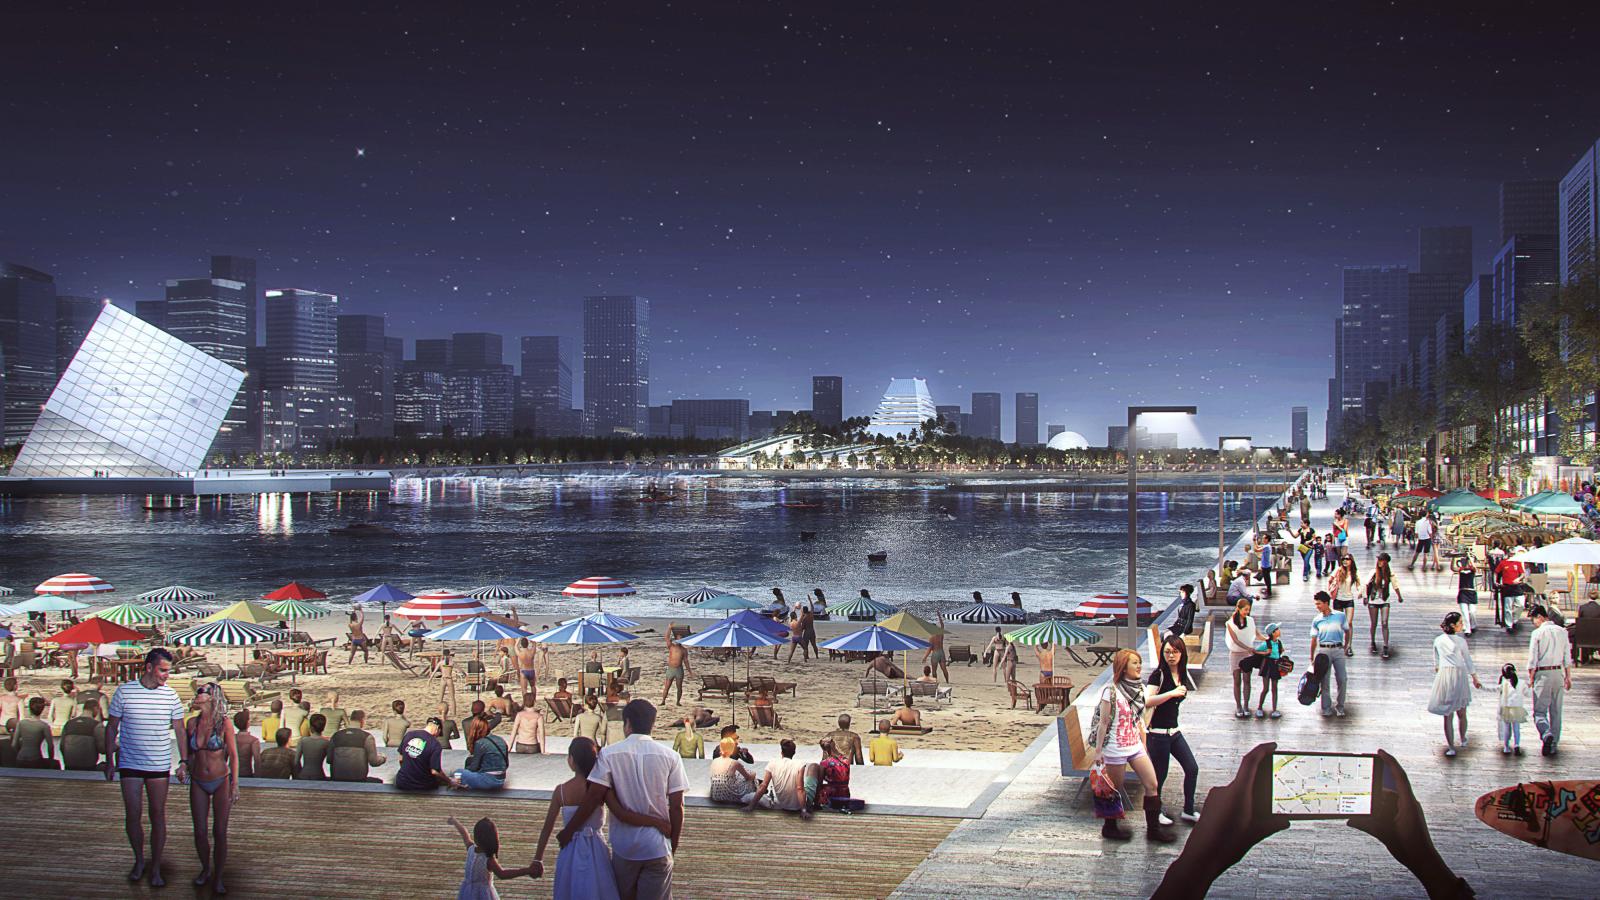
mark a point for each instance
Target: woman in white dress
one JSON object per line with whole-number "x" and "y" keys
{"x": 583, "y": 867}
{"x": 1453, "y": 680}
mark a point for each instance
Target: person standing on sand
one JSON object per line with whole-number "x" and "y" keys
{"x": 1008, "y": 661}
{"x": 145, "y": 715}
{"x": 991, "y": 653}
{"x": 934, "y": 656}
{"x": 1016, "y": 599}
{"x": 808, "y": 631}
{"x": 677, "y": 667}
{"x": 797, "y": 637}
{"x": 527, "y": 670}
{"x": 358, "y": 638}
{"x": 1046, "y": 654}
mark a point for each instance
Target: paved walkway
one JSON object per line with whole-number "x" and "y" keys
{"x": 1038, "y": 837}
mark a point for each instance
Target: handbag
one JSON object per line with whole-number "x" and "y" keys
{"x": 1109, "y": 802}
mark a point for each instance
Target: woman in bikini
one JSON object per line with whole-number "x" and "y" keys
{"x": 213, "y": 781}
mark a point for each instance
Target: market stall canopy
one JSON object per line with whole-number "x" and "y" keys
{"x": 1461, "y": 501}
{"x": 1549, "y": 503}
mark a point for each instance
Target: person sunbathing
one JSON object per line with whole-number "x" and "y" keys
{"x": 884, "y": 666}
{"x": 908, "y": 715}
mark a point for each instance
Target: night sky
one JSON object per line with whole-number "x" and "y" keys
{"x": 1103, "y": 207}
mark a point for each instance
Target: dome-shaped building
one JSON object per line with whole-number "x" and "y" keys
{"x": 1068, "y": 440}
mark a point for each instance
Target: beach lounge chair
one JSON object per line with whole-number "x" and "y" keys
{"x": 942, "y": 692}
{"x": 874, "y": 689}
{"x": 681, "y": 631}
{"x": 910, "y": 729}
{"x": 632, "y": 675}
{"x": 762, "y": 684}
{"x": 183, "y": 685}
{"x": 765, "y": 716}
{"x": 961, "y": 653}
{"x": 561, "y": 709}
{"x": 239, "y": 693}
{"x": 209, "y": 670}
{"x": 1020, "y": 691}
{"x": 715, "y": 686}
{"x": 395, "y": 660}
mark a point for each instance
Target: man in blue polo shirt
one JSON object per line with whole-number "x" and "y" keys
{"x": 1327, "y": 638}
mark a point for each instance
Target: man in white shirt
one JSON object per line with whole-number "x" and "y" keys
{"x": 144, "y": 718}
{"x": 783, "y": 786}
{"x": 1424, "y": 544}
{"x": 1550, "y": 671}
{"x": 648, "y": 778}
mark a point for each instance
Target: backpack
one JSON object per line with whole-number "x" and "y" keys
{"x": 1311, "y": 680}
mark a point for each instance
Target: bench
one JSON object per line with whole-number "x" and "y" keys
{"x": 1211, "y": 593}
{"x": 1199, "y": 644}
{"x": 961, "y": 653}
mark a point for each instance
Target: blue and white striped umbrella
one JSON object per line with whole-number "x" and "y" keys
{"x": 175, "y": 610}
{"x": 698, "y": 595}
{"x": 176, "y": 594}
{"x": 225, "y": 633}
{"x": 875, "y": 639}
{"x": 497, "y": 592}
{"x": 583, "y": 631}
{"x": 985, "y": 613}
{"x": 607, "y": 619}
{"x": 729, "y": 633}
{"x": 476, "y": 628}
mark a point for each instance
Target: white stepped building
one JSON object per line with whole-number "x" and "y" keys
{"x": 905, "y": 405}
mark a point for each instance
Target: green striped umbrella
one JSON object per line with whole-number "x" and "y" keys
{"x": 862, "y": 607}
{"x": 130, "y": 614}
{"x": 297, "y": 609}
{"x": 1053, "y": 631}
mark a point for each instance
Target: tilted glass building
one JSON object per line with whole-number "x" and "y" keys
{"x": 905, "y": 405}
{"x": 135, "y": 401}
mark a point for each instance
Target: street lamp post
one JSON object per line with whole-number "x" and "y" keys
{"x": 1221, "y": 472}
{"x": 1134, "y": 412}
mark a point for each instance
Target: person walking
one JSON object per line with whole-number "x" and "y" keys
{"x": 1397, "y": 525}
{"x": 1452, "y": 668}
{"x": 1328, "y": 633}
{"x": 1306, "y": 538}
{"x": 1513, "y": 709}
{"x": 1466, "y": 591}
{"x": 213, "y": 782}
{"x": 1118, "y": 742}
{"x": 1379, "y": 588}
{"x": 1369, "y": 521}
{"x": 1264, "y": 563}
{"x": 1341, "y": 531}
{"x": 1424, "y": 546}
{"x": 1242, "y": 637}
{"x": 648, "y": 780}
{"x": 145, "y": 715}
{"x": 1345, "y": 581}
{"x": 1328, "y": 556}
{"x": 1267, "y": 663}
{"x": 1168, "y": 685}
{"x": 1550, "y": 671}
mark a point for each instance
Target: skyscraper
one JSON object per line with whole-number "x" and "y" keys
{"x": 1446, "y": 250}
{"x": 1027, "y": 419}
{"x": 74, "y": 317}
{"x": 418, "y": 403}
{"x": 300, "y": 380}
{"x": 27, "y": 345}
{"x": 545, "y": 392}
{"x": 1299, "y": 436}
{"x": 616, "y": 364}
{"x": 366, "y": 374}
{"x": 951, "y": 415}
{"x": 476, "y": 350}
{"x": 1477, "y": 304}
{"x": 434, "y": 354}
{"x": 480, "y": 355}
{"x": 1524, "y": 273}
{"x": 243, "y": 270}
{"x": 210, "y": 314}
{"x": 1578, "y": 213}
{"x": 1374, "y": 332}
{"x": 1527, "y": 207}
{"x": 1335, "y": 413}
{"x": 827, "y": 400}
{"x": 1051, "y": 431}
{"x": 152, "y": 312}
{"x": 985, "y": 416}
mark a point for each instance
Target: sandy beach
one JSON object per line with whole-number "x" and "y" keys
{"x": 980, "y": 716}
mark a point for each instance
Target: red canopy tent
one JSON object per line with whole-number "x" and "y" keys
{"x": 1498, "y": 494}
{"x": 1425, "y": 492}
{"x": 294, "y": 590}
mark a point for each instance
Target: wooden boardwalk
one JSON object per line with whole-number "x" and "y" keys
{"x": 324, "y": 844}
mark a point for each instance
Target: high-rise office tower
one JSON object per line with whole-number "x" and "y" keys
{"x": 721, "y": 419}
{"x": 1299, "y": 431}
{"x": 1117, "y": 438}
{"x": 434, "y": 354}
{"x": 463, "y": 410}
{"x": 476, "y": 350}
{"x": 616, "y": 364}
{"x": 1525, "y": 271}
{"x": 300, "y": 380}
{"x": 1477, "y": 304}
{"x": 74, "y": 317}
{"x": 210, "y": 314}
{"x": 1335, "y": 412}
{"x": 1374, "y": 332}
{"x": 1445, "y": 250}
{"x": 480, "y": 355}
{"x": 545, "y": 392}
{"x": 1027, "y": 426}
{"x": 153, "y": 312}
{"x": 952, "y": 416}
{"x": 827, "y": 400}
{"x": 418, "y": 403}
{"x": 985, "y": 416}
{"x": 1578, "y": 213}
{"x": 243, "y": 270}
{"x": 396, "y": 348}
{"x": 1527, "y": 207}
{"x": 366, "y": 375}
{"x": 28, "y": 343}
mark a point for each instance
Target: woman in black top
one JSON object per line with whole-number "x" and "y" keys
{"x": 1164, "y": 742}
{"x": 1466, "y": 591}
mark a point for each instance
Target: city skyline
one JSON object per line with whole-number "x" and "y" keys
{"x": 838, "y": 199}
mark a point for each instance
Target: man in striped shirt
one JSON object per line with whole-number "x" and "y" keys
{"x": 145, "y": 716}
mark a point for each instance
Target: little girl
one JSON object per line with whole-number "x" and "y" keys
{"x": 1513, "y": 710}
{"x": 483, "y": 845}
{"x": 583, "y": 867}
{"x": 1268, "y": 652}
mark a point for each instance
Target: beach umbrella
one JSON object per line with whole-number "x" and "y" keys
{"x": 1426, "y": 493}
{"x": 172, "y": 609}
{"x": 727, "y": 602}
{"x": 442, "y": 604}
{"x": 728, "y": 634}
{"x": 1549, "y": 503}
{"x": 7, "y": 609}
{"x": 245, "y": 611}
{"x": 985, "y": 613}
{"x": 908, "y": 624}
{"x": 860, "y": 607}
{"x": 1575, "y": 551}
{"x": 225, "y": 633}
{"x": 73, "y": 583}
{"x": 758, "y": 622}
{"x": 497, "y": 592}
{"x": 875, "y": 639}
{"x": 477, "y": 629}
{"x": 96, "y": 631}
{"x": 176, "y": 594}
{"x": 1460, "y": 501}
{"x": 598, "y": 587}
{"x": 583, "y": 632}
{"x": 294, "y": 611}
{"x": 294, "y": 590}
{"x": 1114, "y": 604}
{"x": 383, "y": 595}
{"x": 6, "y": 592}
{"x": 697, "y": 595}
{"x": 1054, "y": 631}
{"x": 130, "y": 614}
{"x": 607, "y": 619}
{"x": 49, "y": 603}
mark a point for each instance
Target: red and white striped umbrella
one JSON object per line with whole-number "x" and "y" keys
{"x": 73, "y": 583}
{"x": 1111, "y": 605}
{"x": 441, "y": 604}
{"x": 598, "y": 586}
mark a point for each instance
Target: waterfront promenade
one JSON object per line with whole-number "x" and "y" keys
{"x": 1038, "y": 837}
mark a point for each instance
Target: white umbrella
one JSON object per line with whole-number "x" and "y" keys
{"x": 1574, "y": 551}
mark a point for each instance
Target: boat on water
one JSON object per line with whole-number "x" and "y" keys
{"x": 363, "y": 530}
{"x": 800, "y": 504}
{"x": 879, "y": 556}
